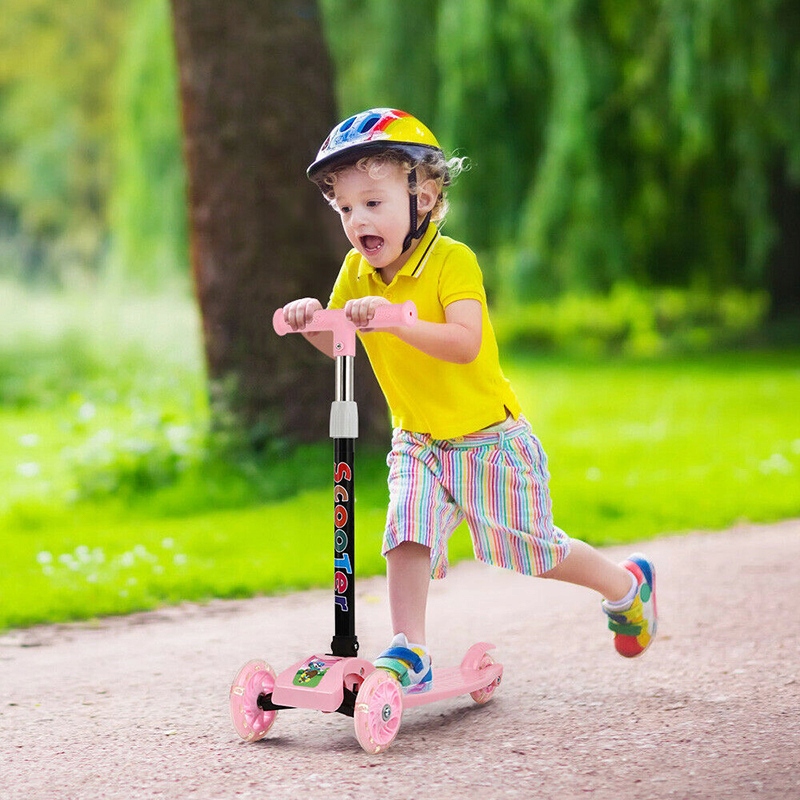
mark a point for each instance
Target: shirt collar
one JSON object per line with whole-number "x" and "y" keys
{"x": 416, "y": 263}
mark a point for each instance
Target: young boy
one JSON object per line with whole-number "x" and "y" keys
{"x": 461, "y": 449}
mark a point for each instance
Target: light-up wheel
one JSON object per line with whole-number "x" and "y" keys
{"x": 378, "y": 711}
{"x": 255, "y": 678}
{"x": 484, "y": 695}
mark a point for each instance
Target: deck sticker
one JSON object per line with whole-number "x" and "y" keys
{"x": 312, "y": 672}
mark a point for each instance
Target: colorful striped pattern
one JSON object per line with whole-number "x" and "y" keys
{"x": 497, "y": 481}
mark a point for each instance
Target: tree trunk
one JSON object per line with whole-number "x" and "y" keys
{"x": 257, "y": 100}
{"x": 783, "y": 272}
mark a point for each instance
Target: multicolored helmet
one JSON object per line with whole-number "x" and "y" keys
{"x": 372, "y": 132}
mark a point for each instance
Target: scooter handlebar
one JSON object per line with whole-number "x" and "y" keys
{"x": 334, "y": 320}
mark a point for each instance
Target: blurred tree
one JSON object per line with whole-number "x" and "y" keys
{"x": 706, "y": 107}
{"x": 56, "y": 163}
{"x": 257, "y": 99}
{"x": 653, "y": 141}
{"x": 148, "y": 195}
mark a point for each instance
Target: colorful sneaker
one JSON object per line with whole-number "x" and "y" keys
{"x": 410, "y": 664}
{"x": 635, "y": 627}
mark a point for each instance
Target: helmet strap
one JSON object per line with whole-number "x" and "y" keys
{"x": 415, "y": 232}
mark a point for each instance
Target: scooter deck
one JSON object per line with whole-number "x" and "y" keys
{"x": 453, "y": 681}
{"x": 317, "y": 682}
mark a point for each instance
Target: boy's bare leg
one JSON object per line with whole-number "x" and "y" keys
{"x": 408, "y": 571}
{"x": 588, "y": 567}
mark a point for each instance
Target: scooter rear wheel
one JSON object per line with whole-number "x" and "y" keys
{"x": 481, "y": 696}
{"x": 254, "y": 679}
{"x": 378, "y": 711}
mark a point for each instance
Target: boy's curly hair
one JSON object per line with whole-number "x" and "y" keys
{"x": 433, "y": 165}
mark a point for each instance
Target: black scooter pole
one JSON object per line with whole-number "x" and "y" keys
{"x": 344, "y": 431}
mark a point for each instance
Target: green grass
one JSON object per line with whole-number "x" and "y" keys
{"x": 638, "y": 449}
{"x": 111, "y": 501}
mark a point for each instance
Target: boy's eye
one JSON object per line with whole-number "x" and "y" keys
{"x": 373, "y": 203}
{"x": 344, "y": 209}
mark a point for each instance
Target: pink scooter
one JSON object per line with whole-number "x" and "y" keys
{"x": 341, "y": 681}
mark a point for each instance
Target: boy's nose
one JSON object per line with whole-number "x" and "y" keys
{"x": 358, "y": 218}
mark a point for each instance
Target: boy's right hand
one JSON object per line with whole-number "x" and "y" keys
{"x": 299, "y": 313}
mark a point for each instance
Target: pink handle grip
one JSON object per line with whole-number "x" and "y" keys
{"x": 398, "y": 315}
{"x": 344, "y": 331}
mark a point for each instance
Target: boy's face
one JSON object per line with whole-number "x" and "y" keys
{"x": 374, "y": 214}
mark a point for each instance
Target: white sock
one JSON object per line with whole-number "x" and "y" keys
{"x": 625, "y": 603}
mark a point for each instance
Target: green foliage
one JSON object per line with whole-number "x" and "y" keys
{"x": 56, "y": 124}
{"x": 611, "y": 141}
{"x": 148, "y": 213}
{"x": 91, "y": 174}
{"x": 151, "y": 454}
{"x": 635, "y": 322}
{"x": 35, "y": 373}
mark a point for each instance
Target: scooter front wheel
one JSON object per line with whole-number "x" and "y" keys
{"x": 255, "y": 678}
{"x": 378, "y": 711}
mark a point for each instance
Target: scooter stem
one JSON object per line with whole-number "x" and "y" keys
{"x": 344, "y": 432}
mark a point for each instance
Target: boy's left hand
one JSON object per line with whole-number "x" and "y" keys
{"x": 362, "y": 310}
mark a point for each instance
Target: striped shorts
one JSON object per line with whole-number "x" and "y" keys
{"x": 495, "y": 479}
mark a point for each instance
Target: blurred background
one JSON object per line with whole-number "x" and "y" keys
{"x": 633, "y": 197}
{"x": 651, "y": 143}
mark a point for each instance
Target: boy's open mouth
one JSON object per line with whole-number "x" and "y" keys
{"x": 371, "y": 244}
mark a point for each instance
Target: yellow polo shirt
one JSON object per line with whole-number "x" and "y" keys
{"x": 425, "y": 394}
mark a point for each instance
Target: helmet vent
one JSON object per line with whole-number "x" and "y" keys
{"x": 369, "y": 123}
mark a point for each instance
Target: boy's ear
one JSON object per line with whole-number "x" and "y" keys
{"x": 427, "y": 195}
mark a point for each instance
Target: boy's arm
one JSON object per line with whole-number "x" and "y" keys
{"x": 457, "y": 339}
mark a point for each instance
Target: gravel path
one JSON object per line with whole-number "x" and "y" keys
{"x": 137, "y": 707}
